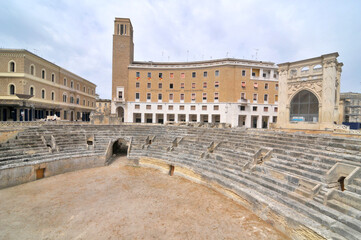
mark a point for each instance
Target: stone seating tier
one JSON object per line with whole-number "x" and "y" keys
{"x": 291, "y": 181}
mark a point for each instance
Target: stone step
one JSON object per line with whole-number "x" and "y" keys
{"x": 357, "y": 181}
{"x": 355, "y": 189}
{"x": 346, "y": 209}
{"x": 293, "y": 170}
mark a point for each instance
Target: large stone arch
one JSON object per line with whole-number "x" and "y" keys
{"x": 304, "y": 106}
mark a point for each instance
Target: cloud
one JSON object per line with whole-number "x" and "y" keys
{"x": 78, "y": 35}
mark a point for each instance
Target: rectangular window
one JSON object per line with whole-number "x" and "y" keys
{"x": 121, "y": 29}
{"x": 193, "y": 85}
{"x": 137, "y": 84}
{"x": 255, "y": 97}
{"x": 159, "y": 107}
{"x": 183, "y": 75}
{"x": 149, "y": 75}
{"x": 243, "y": 73}
{"x": 216, "y": 107}
{"x": 276, "y": 86}
{"x": 254, "y": 109}
{"x": 160, "y": 85}
{"x": 171, "y": 75}
{"x": 149, "y": 85}
{"x": 160, "y": 75}
{"x": 216, "y": 84}
{"x": 243, "y": 95}
{"x": 193, "y": 108}
{"x": 276, "y": 109}
{"x": 243, "y": 84}
{"x": 265, "y": 98}
{"x": 253, "y": 74}
{"x": 264, "y": 75}
{"x": 148, "y": 107}
{"x": 276, "y": 98}
{"x": 159, "y": 96}
{"x": 265, "y": 109}
{"x": 266, "y": 86}
{"x": 205, "y": 74}
{"x": 170, "y": 96}
{"x": 181, "y": 107}
{"x": 170, "y": 107}
{"x": 204, "y": 96}
{"x": 120, "y": 95}
{"x": 204, "y": 84}
{"x": 216, "y": 96}
{"x": 204, "y": 107}
{"x": 137, "y": 106}
{"x": 243, "y": 108}
{"x": 193, "y": 96}
{"x": 137, "y": 96}
{"x": 171, "y": 85}
{"x": 137, "y": 74}
{"x": 149, "y": 96}
{"x": 216, "y": 73}
{"x": 182, "y": 85}
{"x": 182, "y": 97}
{"x": 194, "y": 74}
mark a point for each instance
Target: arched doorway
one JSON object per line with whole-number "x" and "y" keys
{"x": 120, "y": 147}
{"x": 120, "y": 113}
{"x": 304, "y": 107}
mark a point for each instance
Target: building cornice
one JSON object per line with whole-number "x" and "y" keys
{"x": 203, "y": 64}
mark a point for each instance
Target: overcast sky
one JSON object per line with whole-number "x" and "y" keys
{"x": 77, "y": 35}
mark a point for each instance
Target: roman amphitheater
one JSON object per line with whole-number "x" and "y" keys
{"x": 140, "y": 181}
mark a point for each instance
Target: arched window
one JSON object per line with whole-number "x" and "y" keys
{"x": 305, "y": 69}
{"x": 52, "y": 96}
{"x": 43, "y": 74}
{"x": 318, "y": 66}
{"x": 72, "y": 84}
{"x": 32, "y": 91}
{"x": 64, "y": 97}
{"x": 71, "y": 99}
{"x": 32, "y": 70}
{"x": 77, "y": 100}
{"x": 304, "y": 107}
{"x": 64, "y": 81}
{"x": 43, "y": 94}
{"x": 53, "y": 77}
{"x": 12, "y": 89}
{"x": 12, "y": 66}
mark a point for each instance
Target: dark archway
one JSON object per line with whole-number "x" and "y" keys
{"x": 120, "y": 113}
{"x": 304, "y": 107}
{"x": 120, "y": 147}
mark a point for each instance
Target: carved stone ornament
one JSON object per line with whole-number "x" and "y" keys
{"x": 315, "y": 86}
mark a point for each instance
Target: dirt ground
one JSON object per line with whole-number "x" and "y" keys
{"x": 124, "y": 202}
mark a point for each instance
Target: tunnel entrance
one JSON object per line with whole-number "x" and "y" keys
{"x": 120, "y": 147}
{"x": 341, "y": 181}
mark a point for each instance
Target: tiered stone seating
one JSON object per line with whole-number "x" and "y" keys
{"x": 283, "y": 171}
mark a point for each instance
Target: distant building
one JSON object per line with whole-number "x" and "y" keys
{"x": 33, "y": 88}
{"x": 234, "y": 91}
{"x": 351, "y": 107}
{"x": 103, "y": 106}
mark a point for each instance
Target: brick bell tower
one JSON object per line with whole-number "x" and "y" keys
{"x": 123, "y": 55}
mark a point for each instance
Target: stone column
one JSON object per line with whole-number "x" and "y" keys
{"x": 154, "y": 118}
{"x": 187, "y": 117}
{"x": 259, "y": 121}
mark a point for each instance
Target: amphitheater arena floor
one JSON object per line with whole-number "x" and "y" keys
{"x": 124, "y": 202}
